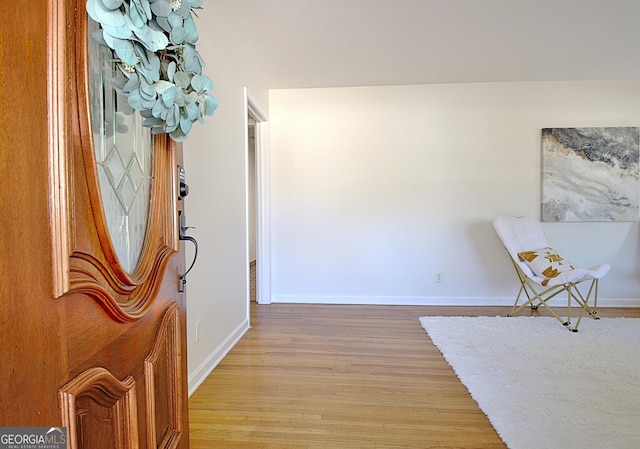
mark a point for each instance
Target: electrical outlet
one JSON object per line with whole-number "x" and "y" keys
{"x": 439, "y": 276}
{"x": 198, "y": 329}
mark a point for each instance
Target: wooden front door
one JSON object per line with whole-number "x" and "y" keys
{"x": 88, "y": 340}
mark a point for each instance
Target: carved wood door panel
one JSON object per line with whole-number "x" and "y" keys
{"x": 93, "y": 328}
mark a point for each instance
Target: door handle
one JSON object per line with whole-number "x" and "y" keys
{"x": 184, "y": 237}
{"x": 183, "y": 277}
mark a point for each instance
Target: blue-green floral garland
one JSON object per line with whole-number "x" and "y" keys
{"x": 160, "y": 71}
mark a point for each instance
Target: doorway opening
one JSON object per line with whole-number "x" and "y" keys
{"x": 258, "y": 248}
{"x": 252, "y": 214}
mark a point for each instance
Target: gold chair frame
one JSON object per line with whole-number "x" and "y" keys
{"x": 536, "y": 298}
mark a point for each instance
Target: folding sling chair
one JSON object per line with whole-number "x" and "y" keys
{"x": 542, "y": 273}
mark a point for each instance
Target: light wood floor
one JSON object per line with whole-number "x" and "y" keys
{"x": 323, "y": 376}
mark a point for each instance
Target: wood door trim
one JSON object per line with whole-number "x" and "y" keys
{"x": 168, "y": 340}
{"x": 57, "y": 109}
{"x": 107, "y": 391}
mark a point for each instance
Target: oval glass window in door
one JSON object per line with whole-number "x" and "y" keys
{"x": 123, "y": 151}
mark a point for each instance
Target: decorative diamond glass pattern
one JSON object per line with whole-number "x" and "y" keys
{"x": 123, "y": 154}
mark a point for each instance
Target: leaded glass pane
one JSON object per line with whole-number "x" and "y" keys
{"x": 123, "y": 154}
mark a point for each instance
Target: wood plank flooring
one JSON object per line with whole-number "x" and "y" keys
{"x": 331, "y": 376}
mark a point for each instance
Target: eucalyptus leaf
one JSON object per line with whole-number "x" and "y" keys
{"x": 103, "y": 15}
{"x": 121, "y": 32}
{"x": 179, "y": 98}
{"x": 192, "y": 111}
{"x": 132, "y": 83}
{"x": 142, "y": 54}
{"x": 201, "y": 83}
{"x": 137, "y": 18}
{"x": 157, "y": 109}
{"x": 174, "y": 113}
{"x": 147, "y": 73}
{"x": 191, "y": 59}
{"x": 191, "y": 97}
{"x": 149, "y": 98}
{"x": 191, "y": 33}
{"x": 154, "y": 64}
{"x": 185, "y": 124}
{"x": 197, "y": 83}
{"x": 147, "y": 8}
{"x": 175, "y": 20}
{"x": 143, "y": 9}
{"x": 161, "y": 8}
{"x": 188, "y": 56}
{"x": 171, "y": 70}
{"x": 208, "y": 83}
{"x": 164, "y": 110}
{"x": 149, "y": 67}
{"x": 163, "y": 23}
{"x": 168, "y": 96}
{"x": 194, "y": 65}
{"x": 184, "y": 10}
{"x": 111, "y": 4}
{"x": 178, "y": 35}
{"x": 173, "y": 118}
{"x": 151, "y": 39}
{"x": 134, "y": 99}
{"x": 182, "y": 79}
{"x": 147, "y": 91}
{"x": 123, "y": 49}
{"x": 178, "y": 135}
{"x": 162, "y": 86}
{"x": 148, "y": 103}
{"x": 210, "y": 104}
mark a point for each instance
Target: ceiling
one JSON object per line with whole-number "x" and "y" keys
{"x": 328, "y": 43}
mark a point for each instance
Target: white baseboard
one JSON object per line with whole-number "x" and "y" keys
{"x": 429, "y": 300}
{"x": 618, "y": 302}
{"x": 203, "y": 370}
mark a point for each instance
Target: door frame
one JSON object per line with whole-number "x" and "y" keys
{"x": 263, "y": 220}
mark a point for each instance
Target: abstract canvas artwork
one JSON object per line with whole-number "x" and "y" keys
{"x": 590, "y": 174}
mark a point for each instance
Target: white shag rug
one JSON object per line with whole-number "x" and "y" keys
{"x": 544, "y": 387}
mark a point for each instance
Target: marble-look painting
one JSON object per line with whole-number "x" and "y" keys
{"x": 590, "y": 174}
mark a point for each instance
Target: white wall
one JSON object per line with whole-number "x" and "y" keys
{"x": 375, "y": 189}
{"x": 216, "y": 165}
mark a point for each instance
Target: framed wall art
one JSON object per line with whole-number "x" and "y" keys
{"x": 590, "y": 174}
